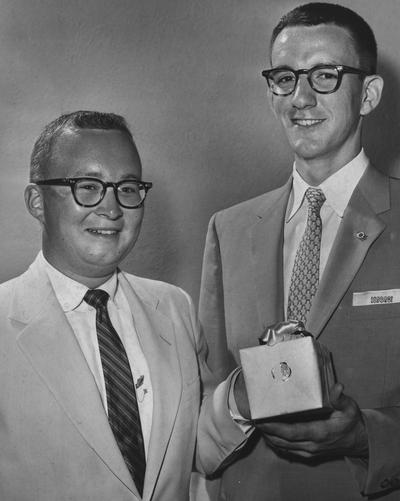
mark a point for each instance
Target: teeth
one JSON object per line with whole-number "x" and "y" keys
{"x": 306, "y": 122}
{"x": 103, "y": 232}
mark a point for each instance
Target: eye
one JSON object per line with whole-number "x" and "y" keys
{"x": 283, "y": 77}
{"x": 129, "y": 188}
{"x": 325, "y": 74}
{"x": 88, "y": 186}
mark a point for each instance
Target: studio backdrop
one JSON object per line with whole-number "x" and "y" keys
{"x": 186, "y": 75}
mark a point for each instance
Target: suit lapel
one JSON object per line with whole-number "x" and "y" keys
{"x": 49, "y": 343}
{"x": 267, "y": 253}
{"x": 157, "y": 339}
{"x": 370, "y": 198}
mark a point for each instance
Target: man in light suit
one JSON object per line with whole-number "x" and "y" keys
{"x": 322, "y": 83}
{"x": 84, "y": 417}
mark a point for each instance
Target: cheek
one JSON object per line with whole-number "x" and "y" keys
{"x": 133, "y": 223}
{"x": 53, "y": 221}
{"x": 61, "y": 212}
{"x": 346, "y": 119}
{"x": 345, "y": 107}
{"x": 280, "y": 107}
{"x": 275, "y": 105}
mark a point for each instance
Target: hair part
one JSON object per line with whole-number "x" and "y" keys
{"x": 43, "y": 148}
{"x": 314, "y": 14}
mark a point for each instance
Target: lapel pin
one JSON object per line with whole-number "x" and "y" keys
{"x": 139, "y": 382}
{"x": 361, "y": 235}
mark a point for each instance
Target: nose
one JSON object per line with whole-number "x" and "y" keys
{"x": 303, "y": 95}
{"x": 109, "y": 206}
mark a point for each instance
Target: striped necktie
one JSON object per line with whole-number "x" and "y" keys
{"x": 305, "y": 274}
{"x": 123, "y": 412}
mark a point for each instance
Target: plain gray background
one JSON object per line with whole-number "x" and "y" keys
{"x": 186, "y": 75}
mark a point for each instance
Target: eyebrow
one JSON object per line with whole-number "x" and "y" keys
{"x": 287, "y": 67}
{"x": 98, "y": 175}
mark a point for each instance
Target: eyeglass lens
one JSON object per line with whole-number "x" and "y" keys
{"x": 90, "y": 192}
{"x": 283, "y": 81}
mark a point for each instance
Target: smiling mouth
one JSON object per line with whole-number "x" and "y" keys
{"x": 306, "y": 122}
{"x": 95, "y": 231}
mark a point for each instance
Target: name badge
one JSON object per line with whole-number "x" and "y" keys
{"x": 372, "y": 298}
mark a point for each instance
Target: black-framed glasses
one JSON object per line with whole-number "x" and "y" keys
{"x": 90, "y": 191}
{"x": 323, "y": 78}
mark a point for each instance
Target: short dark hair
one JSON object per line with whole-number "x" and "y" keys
{"x": 313, "y": 14}
{"x": 43, "y": 149}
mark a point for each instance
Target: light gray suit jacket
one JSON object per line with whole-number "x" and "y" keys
{"x": 56, "y": 443}
{"x": 242, "y": 293}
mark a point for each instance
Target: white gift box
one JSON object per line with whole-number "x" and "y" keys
{"x": 290, "y": 377}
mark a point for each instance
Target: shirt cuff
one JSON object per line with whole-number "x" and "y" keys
{"x": 244, "y": 424}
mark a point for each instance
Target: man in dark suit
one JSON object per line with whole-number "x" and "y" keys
{"x": 102, "y": 372}
{"x": 325, "y": 249}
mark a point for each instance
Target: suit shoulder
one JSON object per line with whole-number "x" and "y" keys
{"x": 7, "y": 287}
{"x": 157, "y": 289}
{"x": 7, "y": 293}
{"x": 244, "y": 211}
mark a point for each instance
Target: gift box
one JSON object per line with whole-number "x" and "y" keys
{"x": 290, "y": 377}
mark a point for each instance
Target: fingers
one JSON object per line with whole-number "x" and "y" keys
{"x": 295, "y": 432}
{"x": 342, "y": 432}
{"x": 304, "y": 449}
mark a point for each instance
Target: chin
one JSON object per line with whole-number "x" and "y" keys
{"x": 307, "y": 151}
{"x": 101, "y": 262}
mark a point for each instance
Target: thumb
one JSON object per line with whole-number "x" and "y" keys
{"x": 336, "y": 396}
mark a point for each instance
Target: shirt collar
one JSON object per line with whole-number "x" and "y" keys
{"x": 337, "y": 188}
{"x": 69, "y": 292}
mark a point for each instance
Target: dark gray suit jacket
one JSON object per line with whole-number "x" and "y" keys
{"x": 242, "y": 293}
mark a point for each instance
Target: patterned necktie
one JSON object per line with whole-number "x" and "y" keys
{"x": 123, "y": 412}
{"x": 305, "y": 274}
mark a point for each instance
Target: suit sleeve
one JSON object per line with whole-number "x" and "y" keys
{"x": 211, "y": 305}
{"x": 382, "y": 473}
{"x": 218, "y": 436}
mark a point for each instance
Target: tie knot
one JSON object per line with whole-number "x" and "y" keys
{"x": 96, "y": 298}
{"x": 315, "y": 198}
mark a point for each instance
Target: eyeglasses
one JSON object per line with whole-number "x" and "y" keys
{"x": 90, "y": 191}
{"x": 323, "y": 78}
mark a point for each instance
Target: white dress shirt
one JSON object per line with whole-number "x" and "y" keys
{"x": 337, "y": 189}
{"x": 82, "y": 319}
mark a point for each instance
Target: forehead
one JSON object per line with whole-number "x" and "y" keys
{"x": 305, "y": 46}
{"x": 95, "y": 152}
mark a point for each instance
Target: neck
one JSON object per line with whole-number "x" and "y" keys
{"x": 316, "y": 171}
{"x": 93, "y": 281}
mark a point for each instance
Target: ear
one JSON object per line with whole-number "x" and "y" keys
{"x": 372, "y": 92}
{"x": 34, "y": 202}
